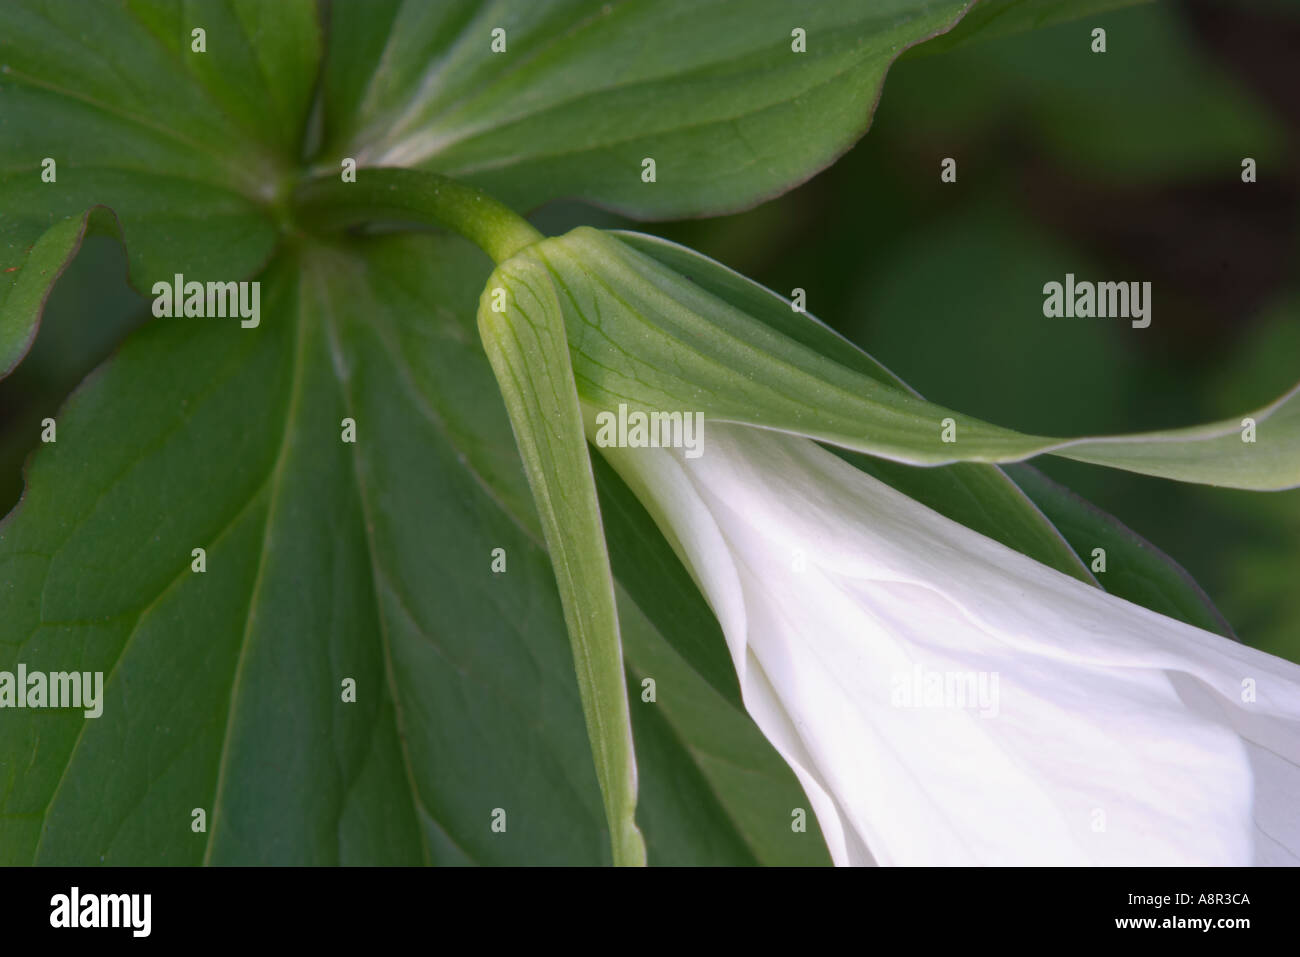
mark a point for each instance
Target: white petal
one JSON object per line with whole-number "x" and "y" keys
{"x": 1116, "y": 735}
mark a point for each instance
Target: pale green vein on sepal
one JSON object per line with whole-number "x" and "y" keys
{"x": 526, "y": 345}
{"x": 644, "y": 335}
{"x": 979, "y": 496}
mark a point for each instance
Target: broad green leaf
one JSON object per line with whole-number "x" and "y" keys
{"x": 223, "y": 688}
{"x": 585, "y": 90}
{"x": 190, "y": 150}
{"x": 523, "y": 333}
{"x": 23, "y": 301}
{"x": 646, "y": 336}
{"x": 325, "y": 560}
{"x": 67, "y": 350}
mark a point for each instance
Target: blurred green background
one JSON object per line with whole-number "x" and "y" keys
{"x": 1117, "y": 166}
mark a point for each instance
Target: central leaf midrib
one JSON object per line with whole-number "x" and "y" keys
{"x": 274, "y": 483}
{"x": 418, "y": 805}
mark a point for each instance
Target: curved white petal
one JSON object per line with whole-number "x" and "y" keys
{"x": 944, "y": 699}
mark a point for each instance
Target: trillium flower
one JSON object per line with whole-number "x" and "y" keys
{"x": 944, "y": 699}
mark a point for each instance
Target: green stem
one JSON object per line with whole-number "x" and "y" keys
{"x": 404, "y": 195}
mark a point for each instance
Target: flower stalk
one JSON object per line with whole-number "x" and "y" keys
{"x": 410, "y": 196}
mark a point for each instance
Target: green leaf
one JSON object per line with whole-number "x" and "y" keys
{"x": 223, "y": 688}
{"x": 190, "y": 150}
{"x": 523, "y": 333}
{"x": 585, "y": 90}
{"x": 327, "y": 560}
{"x": 23, "y": 300}
{"x": 646, "y": 336}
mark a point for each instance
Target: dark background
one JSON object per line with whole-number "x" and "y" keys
{"x": 1118, "y": 166}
